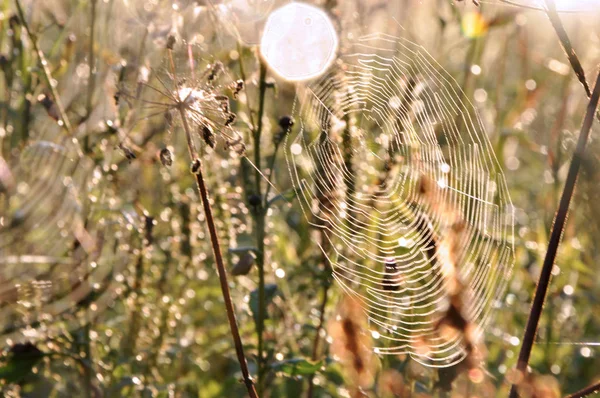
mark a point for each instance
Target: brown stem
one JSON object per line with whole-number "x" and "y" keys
{"x": 317, "y": 340}
{"x": 589, "y": 390}
{"x": 555, "y": 236}
{"x": 214, "y": 239}
{"x": 45, "y": 69}
{"x": 565, "y": 42}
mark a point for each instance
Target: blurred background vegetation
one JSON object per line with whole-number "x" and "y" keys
{"x": 118, "y": 295}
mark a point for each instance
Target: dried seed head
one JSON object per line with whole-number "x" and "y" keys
{"x": 230, "y": 119}
{"x": 129, "y": 154}
{"x": 223, "y": 102}
{"x": 171, "y": 42}
{"x": 208, "y": 136}
{"x": 49, "y": 105}
{"x": 285, "y": 122}
{"x": 166, "y": 157}
{"x": 254, "y": 200}
{"x": 236, "y": 145}
{"x": 195, "y": 166}
{"x": 216, "y": 70}
{"x": 14, "y": 21}
{"x": 244, "y": 265}
{"x": 237, "y": 87}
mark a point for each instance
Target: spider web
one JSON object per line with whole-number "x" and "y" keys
{"x": 381, "y": 125}
{"x": 59, "y": 239}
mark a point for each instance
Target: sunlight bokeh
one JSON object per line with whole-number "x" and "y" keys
{"x": 299, "y": 42}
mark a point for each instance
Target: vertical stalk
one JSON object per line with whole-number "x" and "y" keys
{"x": 322, "y": 308}
{"x": 87, "y": 370}
{"x": 259, "y": 223}
{"x": 555, "y": 236}
{"x": 45, "y": 69}
{"x": 92, "y": 72}
{"x": 565, "y": 42}
{"x": 214, "y": 239}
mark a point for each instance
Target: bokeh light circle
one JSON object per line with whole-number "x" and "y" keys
{"x": 299, "y": 41}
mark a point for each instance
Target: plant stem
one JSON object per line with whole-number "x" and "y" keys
{"x": 214, "y": 239}
{"x": 322, "y": 307}
{"x": 259, "y": 223}
{"x": 555, "y": 236}
{"x": 92, "y": 72}
{"x": 45, "y": 69}
{"x": 594, "y": 388}
{"x": 567, "y": 47}
{"x": 88, "y": 371}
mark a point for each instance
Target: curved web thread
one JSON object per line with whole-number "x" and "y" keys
{"x": 59, "y": 241}
{"x": 393, "y": 163}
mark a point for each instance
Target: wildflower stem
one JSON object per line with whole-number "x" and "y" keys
{"x": 567, "y": 47}
{"x": 270, "y": 175}
{"x": 92, "y": 72}
{"x": 87, "y": 370}
{"x": 589, "y": 390}
{"x": 45, "y": 69}
{"x": 555, "y": 236}
{"x": 259, "y": 222}
{"x": 214, "y": 239}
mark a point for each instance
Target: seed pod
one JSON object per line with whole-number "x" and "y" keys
{"x": 223, "y": 102}
{"x": 208, "y": 136}
{"x": 215, "y": 71}
{"x": 254, "y": 200}
{"x": 236, "y": 145}
{"x": 129, "y": 154}
{"x": 49, "y": 105}
{"x": 166, "y": 157}
{"x": 230, "y": 119}
{"x": 237, "y": 87}
{"x": 195, "y": 167}
{"x": 171, "y": 42}
{"x": 244, "y": 265}
{"x": 285, "y": 122}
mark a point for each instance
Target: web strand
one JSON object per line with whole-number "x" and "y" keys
{"x": 380, "y": 124}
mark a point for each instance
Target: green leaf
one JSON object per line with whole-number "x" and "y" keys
{"x": 270, "y": 293}
{"x": 297, "y": 367}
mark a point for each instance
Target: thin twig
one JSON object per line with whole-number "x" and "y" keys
{"x": 567, "y": 47}
{"x": 214, "y": 239}
{"x": 555, "y": 236}
{"x": 589, "y": 390}
{"x": 45, "y": 69}
{"x": 259, "y": 223}
{"x": 92, "y": 72}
